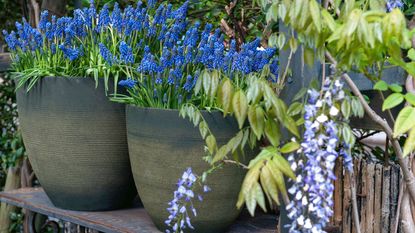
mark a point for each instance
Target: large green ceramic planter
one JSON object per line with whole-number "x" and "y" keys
{"x": 76, "y": 142}
{"x": 162, "y": 145}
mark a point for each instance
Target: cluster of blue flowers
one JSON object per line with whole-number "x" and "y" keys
{"x": 312, "y": 191}
{"x": 89, "y": 28}
{"x": 179, "y": 218}
{"x": 175, "y": 68}
{"x": 392, "y": 4}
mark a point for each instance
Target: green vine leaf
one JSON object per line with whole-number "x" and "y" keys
{"x": 315, "y": 14}
{"x": 206, "y": 78}
{"x": 410, "y": 97}
{"x": 396, "y": 88}
{"x": 409, "y": 145}
{"x": 392, "y": 101}
{"x": 282, "y": 164}
{"x": 272, "y": 131}
{"x": 405, "y": 121}
{"x": 269, "y": 185}
{"x": 345, "y": 108}
{"x": 381, "y": 86}
{"x": 211, "y": 143}
{"x": 240, "y": 107}
{"x": 290, "y": 147}
{"x": 225, "y": 95}
{"x": 256, "y": 120}
{"x": 411, "y": 54}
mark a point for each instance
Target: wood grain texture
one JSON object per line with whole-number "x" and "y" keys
{"x": 132, "y": 220}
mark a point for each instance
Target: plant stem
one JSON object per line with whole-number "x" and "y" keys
{"x": 398, "y": 210}
{"x": 236, "y": 163}
{"x": 408, "y": 175}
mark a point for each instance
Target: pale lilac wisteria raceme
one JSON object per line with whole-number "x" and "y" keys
{"x": 392, "y": 4}
{"x": 182, "y": 203}
{"x": 312, "y": 191}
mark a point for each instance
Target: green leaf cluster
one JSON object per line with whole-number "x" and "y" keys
{"x": 260, "y": 114}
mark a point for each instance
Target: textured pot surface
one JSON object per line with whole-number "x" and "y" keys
{"x": 76, "y": 142}
{"x": 162, "y": 145}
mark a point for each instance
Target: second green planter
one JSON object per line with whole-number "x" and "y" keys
{"x": 161, "y": 146}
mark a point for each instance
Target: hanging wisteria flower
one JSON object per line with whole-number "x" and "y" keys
{"x": 179, "y": 208}
{"x": 392, "y": 4}
{"x": 312, "y": 191}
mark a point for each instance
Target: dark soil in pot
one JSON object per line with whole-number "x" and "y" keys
{"x": 76, "y": 142}
{"x": 162, "y": 145}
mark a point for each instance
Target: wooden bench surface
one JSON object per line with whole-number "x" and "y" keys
{"x": 126, "y": 220}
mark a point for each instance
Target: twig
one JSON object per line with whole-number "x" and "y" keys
{"x": 398, "y": 209}
{"x": 367, "y": 135}
{"x": 408, "y": 176}
{"x": 408, "y": 225}
{"x": 354, "y": 201}
{"x": 236, "y": 163}
{"x": 387, "y": 152}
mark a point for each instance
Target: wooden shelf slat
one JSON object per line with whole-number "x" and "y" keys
{"x": 127, "y": 220}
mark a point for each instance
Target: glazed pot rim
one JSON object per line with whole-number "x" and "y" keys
{"x": 169, "y": 109}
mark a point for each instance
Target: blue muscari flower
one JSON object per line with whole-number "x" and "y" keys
{"x": 181, "y": 205}
{"x": 128, "y": 83}
{"x": 274, "y": 68}
{"x": 53, "y": 48}
{"x": 71, "y": 53}
{"x": 90, "y": 15}
{"x": 11, "y": 40}
{"x": 107, "y": 55}
{"x": 43, "y": 20}
{"x": 169, "y": 11}
{"x": 38, "y": 40}
{"x": 159, "y": 80}
{"x": 104, "y": 18}
{"x": 165, "y": 59}
{"x": 160, "y": 15}
{"x": 148, "y": 63}
{"x": 79, "y": 22}
{"x": 152, "y": 31}
{"x": 171, "y": 78}
{"x": 392, "y": 4}
{"x": 126, "y": 53}
{"x": 162, "y": 33}
{"x": 61, "y": 25}
{"x": 181, "y": 12}
{"x": 188, "y": 86}
{"x": 116, "y": 18}
{"x": 151, "y": 3}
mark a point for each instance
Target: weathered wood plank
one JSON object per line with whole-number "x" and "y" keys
{"x": 394, "y": 191}
{"x": 338, "y": 194}
{"x": 356, "y": 169}
{"x": 363, "y": 197}
{"x": 370, "y": 198}
{"x": 385, "y": 222}
{"x": 131, "y": 220}
{"x": 378, "y": 199}
{"x": 347, "y": 220}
